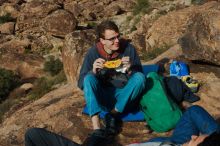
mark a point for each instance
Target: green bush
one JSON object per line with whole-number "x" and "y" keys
{"x": 142, "y": 6}
{"x": 28, "y": 49}
{"x": 44, "y": 85}
{"x": 5, "y": 107}
{"x": 59, "y": 78}
{"x": 8, "y": 81}
{"x": 6, "y": 18}
{"x": 198, "y": 2}
{"x": 41, "y": 87}
{"x": 129, "y": 18}
{"x": 146, "y": 56}
{"x": 91, "y": 24}
{"x": 53, "y": 66}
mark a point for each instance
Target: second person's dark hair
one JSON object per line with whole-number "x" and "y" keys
{"x": 211, "y": 140}
{"x": 104, "y": 25}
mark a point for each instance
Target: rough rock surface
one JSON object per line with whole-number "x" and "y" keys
{"x": 202, "y": 40}
{"x": 196, "y": 29}
{"x": 59, "y": 23}
{"x": 38, "y": 20}
{"x": 75, "y": 46}
{"x": 7, "y": 28}
{"x": 28, "y": 66}
{"x": 96, "y": 10}
{"x": 60, "y": 111}
{"x": 209, "y": 92}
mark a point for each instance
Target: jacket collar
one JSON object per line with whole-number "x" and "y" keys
{"x": 107, "y": 56}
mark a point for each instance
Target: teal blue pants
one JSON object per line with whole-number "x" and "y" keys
{"x": 101, "y": 98}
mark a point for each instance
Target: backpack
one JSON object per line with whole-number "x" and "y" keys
{"x": 160, "y": 112}
{"x": 178, "y": 68}
{"x": 178, "y": 91}
{"x": 110, "y": 77}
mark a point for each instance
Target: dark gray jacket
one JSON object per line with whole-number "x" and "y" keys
{"x": 93, "y": 53}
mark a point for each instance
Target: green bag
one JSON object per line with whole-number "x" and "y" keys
{"x": 160, "y": 112}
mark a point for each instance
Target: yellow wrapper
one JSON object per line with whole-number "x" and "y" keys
{"x": 113, "y": 63}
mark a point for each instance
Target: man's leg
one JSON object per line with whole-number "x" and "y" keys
{"x": 97, "y": 98}
{"x": 194, "y": 121}
{"x": 125, "y": 98}
{"x": 95, "y": 121}
{"x": 130, "y": 92}
{"x": 42, "y": 137}
{"x": 91, "y": 90}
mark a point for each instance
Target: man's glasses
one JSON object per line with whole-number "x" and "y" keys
{"x": 114, "y": 38}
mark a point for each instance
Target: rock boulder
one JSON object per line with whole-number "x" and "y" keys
{"x": 75, "y": 46}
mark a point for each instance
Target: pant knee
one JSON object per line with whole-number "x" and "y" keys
{"x": 89, "y": 79}
{"x": 195, "y": 108}
{"x": 139, "y": 78}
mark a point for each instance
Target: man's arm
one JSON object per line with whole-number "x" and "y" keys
{"x": 134, "y": 59}
{"x": 86, "y": 67}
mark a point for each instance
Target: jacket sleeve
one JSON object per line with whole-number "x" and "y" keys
{"x": 86, "y": 67}
{"x": 135, "y": 60}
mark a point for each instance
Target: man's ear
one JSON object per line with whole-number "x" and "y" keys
{"x": 102, "y": 41}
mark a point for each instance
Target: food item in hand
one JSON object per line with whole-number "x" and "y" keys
{"x": 112, "y": 63}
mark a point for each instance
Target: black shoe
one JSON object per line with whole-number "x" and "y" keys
{"x": 112, "y": 123}
{"x": 99, "y": 137}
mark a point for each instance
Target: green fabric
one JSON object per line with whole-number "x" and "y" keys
{"x": 160, "y": 112}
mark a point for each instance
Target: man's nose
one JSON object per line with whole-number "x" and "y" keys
{"x": 116, "y": 39}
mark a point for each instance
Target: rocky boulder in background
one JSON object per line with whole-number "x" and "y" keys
{"x": 202, "y": 40}
{"x": 75, "y": 46}
{"x": 59, "y": 23}
{"x": 11, "y": 8}
{"x": 46, "y": 22}
{"x": 26, "y": 66}
{"x": 196, "y": 29}
{"x": 31, "y": 14}
{"x": 29, "y": 23}
{"x": 14, "y": 45}
{"x": 96, "y": 10}
{"x": 7, "y": 28}
{"x": 13, "y": 57}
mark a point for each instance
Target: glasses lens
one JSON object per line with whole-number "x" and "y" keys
{"x": 114, "y": 38}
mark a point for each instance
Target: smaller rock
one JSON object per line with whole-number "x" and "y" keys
{"x": 27, "y": 86}
{"x": 59, "y": 23}
{"x": 21, "y": 91}
{"x": 7, "y": 28}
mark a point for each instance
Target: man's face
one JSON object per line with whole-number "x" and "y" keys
{"x": 110, "y": 40}
{"x": 195, "y": 140}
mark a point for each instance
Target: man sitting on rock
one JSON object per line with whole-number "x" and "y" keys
{"x": 112, "y": 80}
{"x": 111, "y": 77}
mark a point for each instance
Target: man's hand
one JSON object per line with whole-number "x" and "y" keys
{"x": 97, "y": 65}
{"x": 195, "y": 140}
{"x": 126, "y": 62}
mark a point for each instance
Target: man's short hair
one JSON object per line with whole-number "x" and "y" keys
{"x": 211, "y": 140}
{"x": 104, "y": 25}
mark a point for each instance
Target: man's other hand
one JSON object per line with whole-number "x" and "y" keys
{"x": 97, "y": 65}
